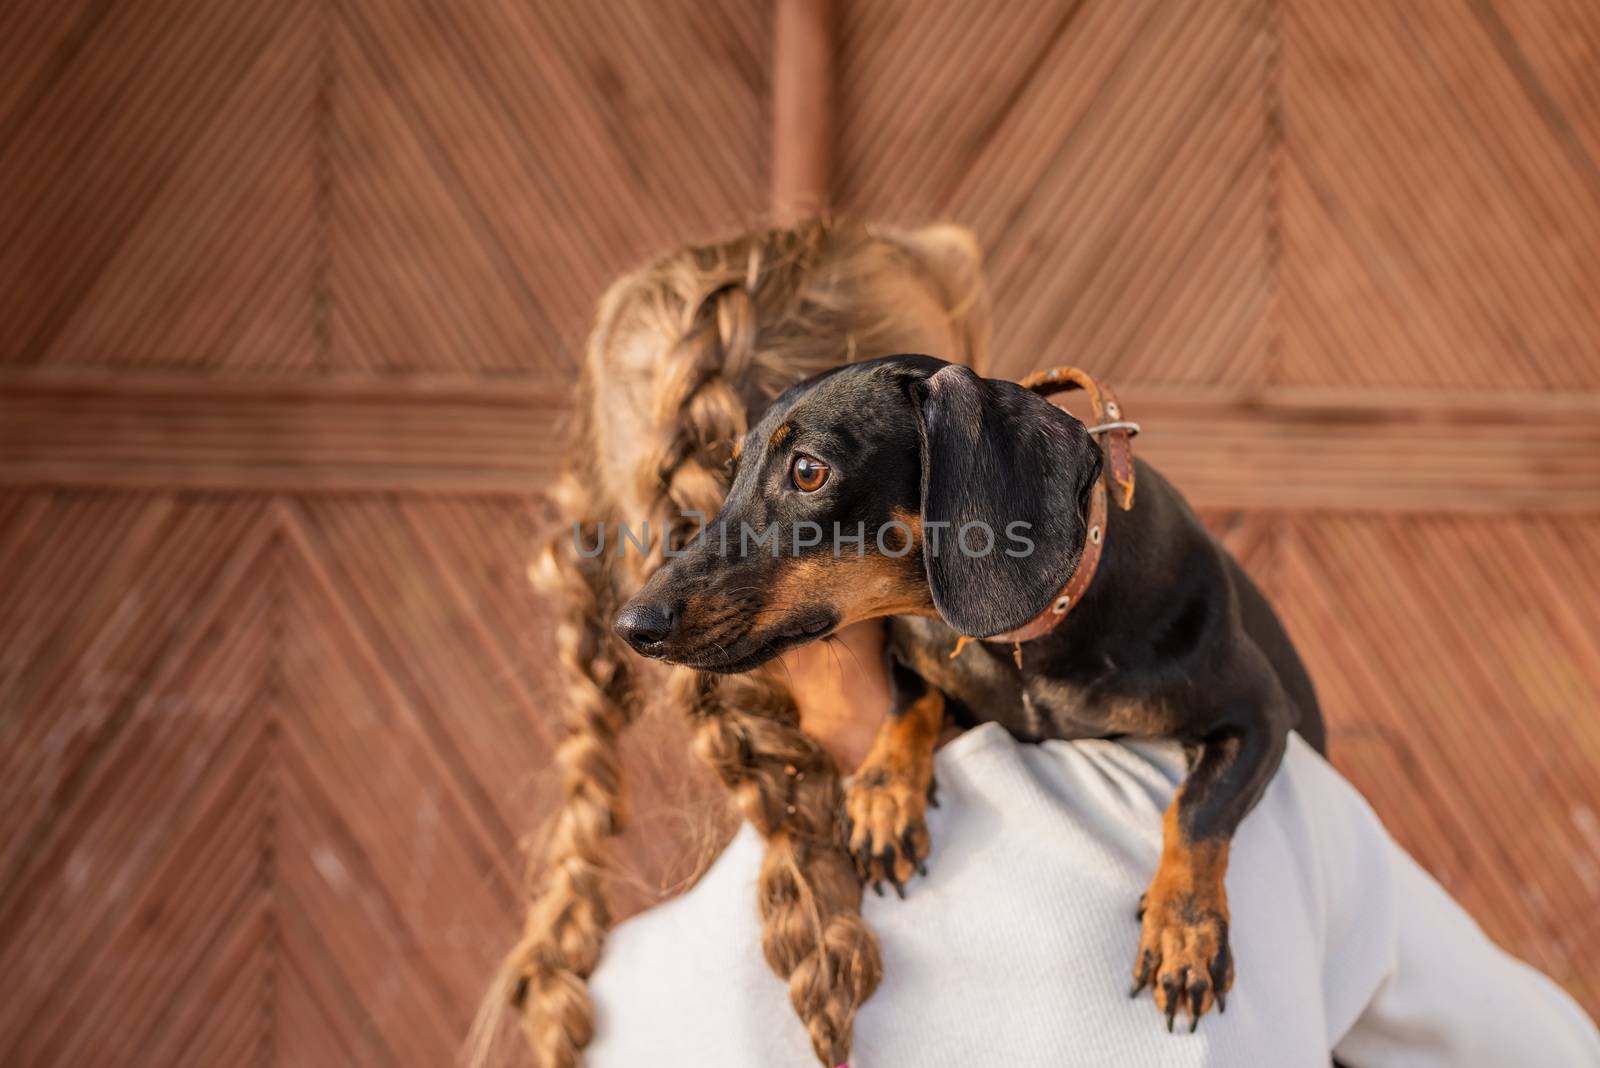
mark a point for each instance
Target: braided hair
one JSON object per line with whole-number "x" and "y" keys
{"x": 741, "y": 320}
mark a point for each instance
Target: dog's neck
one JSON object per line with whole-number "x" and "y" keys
{"x": 841, "y": 699}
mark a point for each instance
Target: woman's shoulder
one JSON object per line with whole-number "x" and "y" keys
{"x": 1039, "y": 855}
{"x": 685, "y": 982}
{"x": 1017, "y": 945}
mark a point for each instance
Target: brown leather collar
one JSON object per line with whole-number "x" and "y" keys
{"x": 1115, "y": 435}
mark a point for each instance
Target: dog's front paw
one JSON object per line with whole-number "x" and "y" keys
{"x": 883, "y": 825}
{"x": 1183, "y": 952}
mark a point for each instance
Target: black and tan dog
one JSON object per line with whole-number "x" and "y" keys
{"x": 875, "y": 489}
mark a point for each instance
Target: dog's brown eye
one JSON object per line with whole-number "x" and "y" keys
{"x": 808, "y": 473}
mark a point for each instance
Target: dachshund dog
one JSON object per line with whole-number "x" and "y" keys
{"x": 965, "y": 508}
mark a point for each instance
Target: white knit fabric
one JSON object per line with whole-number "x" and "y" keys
{"x": 1016, "y": 950}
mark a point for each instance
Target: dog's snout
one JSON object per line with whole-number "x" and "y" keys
{"x": 645, "y": 626}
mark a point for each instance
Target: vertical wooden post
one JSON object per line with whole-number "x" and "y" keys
{"x": 802, "y": 107}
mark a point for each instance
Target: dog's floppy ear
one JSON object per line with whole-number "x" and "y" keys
{"x": 1001, "y": 468}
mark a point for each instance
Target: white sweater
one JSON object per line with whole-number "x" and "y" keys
{"x": 1016, "y": 950}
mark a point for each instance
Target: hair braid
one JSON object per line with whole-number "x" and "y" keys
{"x": 748, "y": 729}
{"x": 746, "y": 318}
{"x": 545, "y": 974}
{"x": 787, "y": 786}
{"x": 696, "y": 412}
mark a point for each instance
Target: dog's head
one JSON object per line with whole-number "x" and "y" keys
{"x": 900, "y": 486}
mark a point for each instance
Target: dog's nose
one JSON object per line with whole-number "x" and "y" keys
{"x": 644, "y": 626}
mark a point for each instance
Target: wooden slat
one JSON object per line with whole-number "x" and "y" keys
{"x": 1378, "y": 450}
{"x": 1270, "y": 448}
{"x": 425, "y": 435}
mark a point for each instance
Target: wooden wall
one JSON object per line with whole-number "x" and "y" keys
{"x": 290, "y": 296}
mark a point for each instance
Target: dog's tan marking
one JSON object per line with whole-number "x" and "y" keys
{"x": 1142, "y": 719}
{"x": 1183, "y": 942}
{"x": 858, "y": 588}
{"x": 780, "y": 434}
{"x": 902, "y": 533}
{"x": 886, "y": 802}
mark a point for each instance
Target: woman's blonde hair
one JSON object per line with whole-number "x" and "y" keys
{"x": 682, "y": 355}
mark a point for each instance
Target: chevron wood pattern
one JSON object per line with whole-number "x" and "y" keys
{"x": 290, "y": 296}
{"x": 277, "y": 749}
{"x": 242, "y": 161}
{"x": 1113, "y": 157}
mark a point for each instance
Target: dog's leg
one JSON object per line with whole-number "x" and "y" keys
{"x": 1183, "y": 944}
{"x": 885, "y": 803}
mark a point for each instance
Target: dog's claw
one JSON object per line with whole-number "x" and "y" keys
{"x": 887, "y": 859}
{"x": 862, "y": 855}
{"x": 887, "y": 836}
{"x": 1183, "y": 956}
{"x": 1142, "y": 974}
{"x": 1172, "y": 986}
{"x": 1222, "y": 975}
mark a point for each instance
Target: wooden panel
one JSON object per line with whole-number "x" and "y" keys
{"x": 1136, "y": 170}
{"x": 435, "y": 435}
{"x": 314, "y": 187}
{"x": 472, "y": 228}
{"x": 1227, "y": 448}
{"x": 134, "y": 773}
{"x": 1440, "y": 218}
{"x": 1364, "y": 450}
{"x": 1111, "y": 156}
{"x": 135, "y": 189}
{"x": 264, "y": 754}
{"x": 1552, "y": 51}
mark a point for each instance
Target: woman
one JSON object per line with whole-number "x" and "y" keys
{"x": 1011, "y": 949}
